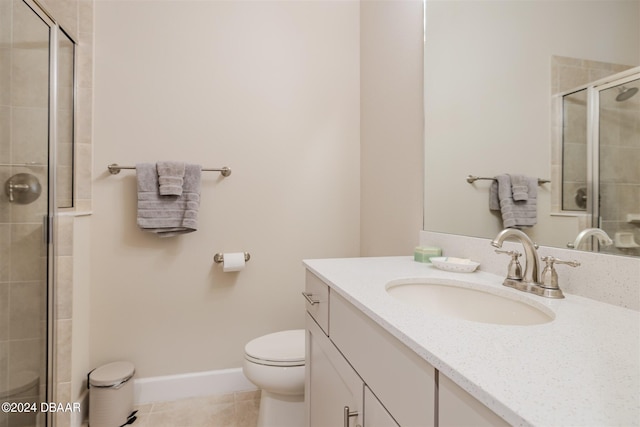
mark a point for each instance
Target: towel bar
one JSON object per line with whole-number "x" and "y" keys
{"x": 115, "y": 169}
{"x": 471, "y": 179}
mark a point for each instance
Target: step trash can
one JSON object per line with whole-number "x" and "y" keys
{"x": 111, "y": 394}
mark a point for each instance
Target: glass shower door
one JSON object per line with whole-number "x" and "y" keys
{"x": 24, "y": 210}
{"x": 618, "y": 210}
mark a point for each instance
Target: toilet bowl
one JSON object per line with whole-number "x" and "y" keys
{"x": 275, "y": 364}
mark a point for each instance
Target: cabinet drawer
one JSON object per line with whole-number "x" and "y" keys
{"x": 395, "y": 374}
{"x": 317, "y": 300}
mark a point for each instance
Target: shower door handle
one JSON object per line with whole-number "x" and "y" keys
{"x": 581, "y": 197}
{"x": 47, "y": 229}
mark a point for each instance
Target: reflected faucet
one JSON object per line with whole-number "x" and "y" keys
{"x": 532, "y": 266}
{"x": 602, "y": 236}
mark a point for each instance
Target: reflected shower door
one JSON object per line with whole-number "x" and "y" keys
{"x": 24, "y": 206}
{"x": 619, "y": 165}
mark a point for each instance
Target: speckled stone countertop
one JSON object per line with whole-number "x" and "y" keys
{"x": 581, "y": 369}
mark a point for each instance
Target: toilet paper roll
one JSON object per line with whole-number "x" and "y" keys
{"x": 233, "y": 262}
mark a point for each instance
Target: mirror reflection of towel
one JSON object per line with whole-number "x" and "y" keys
{"x": 515, "y": 213}
{"x": 167, "y": 215}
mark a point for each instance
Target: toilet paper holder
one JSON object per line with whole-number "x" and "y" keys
{"x": 219, "y": 257}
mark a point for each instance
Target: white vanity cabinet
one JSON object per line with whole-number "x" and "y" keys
{"x": 402, "y": 380}
{"x": 353, "y": 362}
{"x": 343, "y": 371}
{"x": 336, "y": 396}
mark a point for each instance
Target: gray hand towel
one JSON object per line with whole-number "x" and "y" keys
{"x": 168, "y": 215}
{"x": 515, "y": 214}
{"x": 170, "y": 178}
{"x": 519, "y": 187}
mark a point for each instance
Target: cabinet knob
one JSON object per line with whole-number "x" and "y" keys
{"x": 348, "y": 414}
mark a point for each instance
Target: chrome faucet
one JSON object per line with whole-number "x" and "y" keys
{"x": 599, "y": 233}
{"x": 532, "y": 263}
{"x": 545, "y": 285}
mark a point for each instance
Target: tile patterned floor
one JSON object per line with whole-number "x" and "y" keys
{"x": 227, "y": 410}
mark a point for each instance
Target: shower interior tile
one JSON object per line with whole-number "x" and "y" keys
{"x": 5, "y": 250}
{"x": 30, "y": 135}
{"x": 26, "y": 309}
{"x": 25, "y": 355}
{"x": 27, "y": 257}
{"x": 4, "y": 316}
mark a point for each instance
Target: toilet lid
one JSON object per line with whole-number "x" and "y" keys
{"x": 284, "y": 348}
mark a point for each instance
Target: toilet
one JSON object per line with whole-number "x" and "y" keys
{"x": 275, "y": 363}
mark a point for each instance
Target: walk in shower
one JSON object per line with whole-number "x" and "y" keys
{"x": 36, "y": 168}
{"x": 601, "y": 154}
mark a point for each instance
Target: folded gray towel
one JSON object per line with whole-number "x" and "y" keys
{"x": 515, "y": 214}
{"x": 519, "y": 187}
{"x": 170, "y": 178}
{"x": 168, "y": 215}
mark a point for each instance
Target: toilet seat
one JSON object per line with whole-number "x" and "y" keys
{"x": 285, "y": 348}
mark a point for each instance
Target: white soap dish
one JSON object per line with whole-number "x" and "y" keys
{"x": 633, "y": 218}
{"x": 625, "y": 240}
{"x": 457, "y": 265}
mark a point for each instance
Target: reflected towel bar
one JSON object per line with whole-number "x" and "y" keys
{"x": 471, "y": 179}
{"x": 114, "y": 169}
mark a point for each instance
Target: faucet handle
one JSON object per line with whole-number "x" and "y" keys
{"x": 549, "y": 277}
{"x": 514, "y": 271}
{"x": 551, "y": 260}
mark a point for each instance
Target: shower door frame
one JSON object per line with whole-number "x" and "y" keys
{"x": 50, "y": 222}
{"x": 593, "y": 138}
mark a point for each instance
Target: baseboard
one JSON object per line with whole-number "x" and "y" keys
{"x": 194, "y": 384}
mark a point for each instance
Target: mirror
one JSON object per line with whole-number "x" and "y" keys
{"x": 491, "y": 70}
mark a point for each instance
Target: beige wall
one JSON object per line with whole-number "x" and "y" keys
{"x": 391, "y": 126}
{"x": 270, "y": 89}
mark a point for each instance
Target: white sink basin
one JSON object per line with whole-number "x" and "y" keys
{"x": 469, "y": 301}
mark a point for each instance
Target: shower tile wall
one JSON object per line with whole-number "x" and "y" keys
{"x": 70, "y": 350}
{"x": 77, "y": 17}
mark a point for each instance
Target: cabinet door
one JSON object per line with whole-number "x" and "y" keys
{"x": 403, "y": 381}
{"x": 457, "y": 408}
{"x": 375, "y": 415}
{"x": 331, "y": 384}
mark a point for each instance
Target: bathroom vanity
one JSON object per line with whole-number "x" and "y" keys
{"x": 374, "y": 360}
